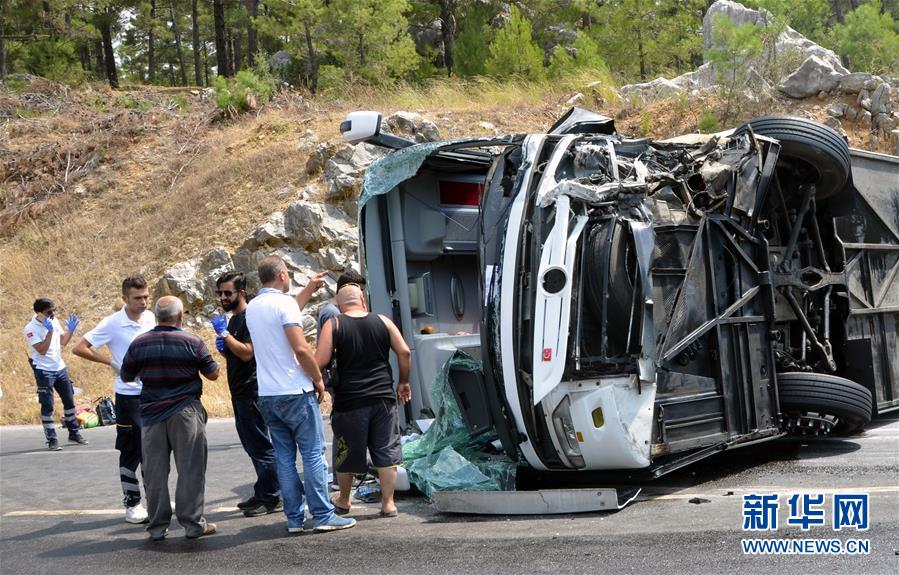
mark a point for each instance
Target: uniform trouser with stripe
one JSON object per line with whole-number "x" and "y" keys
{"x": 184, "y": 436}
{"x": 128, "y": 442}
{"x": 47, "y": 381}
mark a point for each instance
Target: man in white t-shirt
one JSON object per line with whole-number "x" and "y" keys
{"x": 116, "y": 332}
{"x": 45, "y": 341}
{"x": 290, "y": 384}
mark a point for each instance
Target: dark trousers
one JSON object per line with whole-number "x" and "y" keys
{"x": 184, "y": 435}
{"x": 128, "y": 442}
{"x": 47, "y": 381}
{"x": 256, "y": 441}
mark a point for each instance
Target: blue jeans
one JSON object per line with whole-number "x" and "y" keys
{"x": 295, "y": 421}
{"x": 47, "y": 381}
{"x": 254, "y": 437}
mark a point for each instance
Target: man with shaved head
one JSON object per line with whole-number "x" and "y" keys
{"x": 364, "y": 414}
{"x": 290, "y": 387}
{"x": 169, "y": 362}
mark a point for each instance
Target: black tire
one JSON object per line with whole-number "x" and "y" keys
{"x": 850, "y": 403}
{"x": 819, "y": 153}
{"x": 617, "y": 261}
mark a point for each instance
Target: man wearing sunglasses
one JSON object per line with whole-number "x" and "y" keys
{"x": 235, "y": 344}
{"x": 45, "y": 341}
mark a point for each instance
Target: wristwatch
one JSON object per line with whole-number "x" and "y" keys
{"x": 225, "y": 334}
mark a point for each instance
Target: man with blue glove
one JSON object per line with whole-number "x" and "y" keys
{"x": 233, "y": 341}
{"x": 46, "y": 340}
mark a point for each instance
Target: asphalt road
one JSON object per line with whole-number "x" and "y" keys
{"x": 59, "y": 513}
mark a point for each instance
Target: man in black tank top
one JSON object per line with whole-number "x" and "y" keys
{"x": 364, "y": 413}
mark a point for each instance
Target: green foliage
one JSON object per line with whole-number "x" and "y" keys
{"x": 584, "y": 55}
{"x": 236, "y": 95}
{"x": 869, "y": 39}
{"x": 332, "y": 79}
{"x": 733, "y": 47}
{"x": 51, "y": 58}
{"x": 808, "y": 17}
{"x": 472, "y": 44}
{"x": 708, "y": 123}
{"x": 513, "y": 51}
{"x": 645, "y": 122}
{"x": 369, "y": 39}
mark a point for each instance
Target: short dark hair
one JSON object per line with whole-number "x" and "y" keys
{"x": 268, "y": 269}
{"x": 42, "y": 304}
{"x": 350, "y": 277}
{"x": 237, "y": 278}
{"x": 133, "y": 282}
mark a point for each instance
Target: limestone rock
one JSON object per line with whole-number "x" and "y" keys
{"x": 345, "y": 169}
{"x": 813, "y": 76}
{"x": 313, "y": 226}
{"x": 649, "y": 91}
{"x": 837, "y": 110}
{"x": 856, "y": 82}
{"x": 881, "y": 102}
{"x": 789, "y": 41}
{"x": 271, "y": 233}
{"x": 894, "y": 142}
{"x": 882, "y": 124}
{"x": 319, "y": 157}
{"x": 182, "y": 280}
{"x": 412, "y": 125}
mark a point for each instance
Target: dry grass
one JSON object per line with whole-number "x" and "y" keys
{"x": 130, "y": 217}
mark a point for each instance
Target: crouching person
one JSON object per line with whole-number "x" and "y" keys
{"x": 364, "y": 415}
{"x": 169, "y": 362}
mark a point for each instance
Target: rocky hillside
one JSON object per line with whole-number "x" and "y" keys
{"x": 100, "y": 184}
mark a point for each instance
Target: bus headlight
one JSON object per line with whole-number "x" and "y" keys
{"x": 566, "y": 434}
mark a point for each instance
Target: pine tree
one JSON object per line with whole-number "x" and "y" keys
{"x": 513, "y": 51}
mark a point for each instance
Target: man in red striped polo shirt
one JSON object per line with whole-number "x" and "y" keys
{"x": 169, "y": 362}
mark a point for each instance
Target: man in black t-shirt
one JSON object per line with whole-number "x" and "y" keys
{"x": 364, "y": 414}
{"x": 234, "y": 343}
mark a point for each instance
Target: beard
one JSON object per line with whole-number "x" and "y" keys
{"x": 230, "y": 305}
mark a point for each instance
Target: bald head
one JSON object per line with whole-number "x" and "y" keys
{"x": 169, "y": 310}
{"x": 350, "y": 298}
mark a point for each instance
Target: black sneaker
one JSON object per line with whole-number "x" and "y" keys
{"x": 251, "y": 503}
{"x": 78, "y": 439}
{"x": 264, "y": 509}
{"x": 53, "y": 445}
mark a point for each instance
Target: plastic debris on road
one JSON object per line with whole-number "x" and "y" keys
{"x": 446, "y": 457}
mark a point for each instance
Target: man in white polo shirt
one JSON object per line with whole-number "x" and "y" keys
{"x": 45, "y": 341}
{"x": 116, "y": 332}
{"x": 290, "y": 385}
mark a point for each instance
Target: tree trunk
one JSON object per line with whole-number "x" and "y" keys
{"x": 108, "y": 53}
{"x": 177, "y": 32}
{"x": 448, "y": 30}
{"x": 2, "y": 39}
{"x": 151, "y": 45}
{"x": 235, "y": 52}
{"x": 312, "y": 78}
{"x": 642, "y": 56}
{"x": 252, "y": 44}
{"x": 195, "y": 21}
{"x": 221, "y": 47}
{"x": 99, "y": 64}
{"x": 206, "y": 63}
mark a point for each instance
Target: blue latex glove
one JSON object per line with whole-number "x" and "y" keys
{"x": 48, "y": 323}
{"x": 72, "y": 323}
{"x": 220, "y": 344}
{"x": 219, "y": 324}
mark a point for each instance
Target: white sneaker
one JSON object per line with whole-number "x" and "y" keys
{"x": 136, "y": 514}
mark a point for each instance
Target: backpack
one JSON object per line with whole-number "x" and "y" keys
{"x": 106, "y": 411}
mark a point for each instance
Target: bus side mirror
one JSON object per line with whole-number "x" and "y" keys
{"x": 365, "y": 126}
